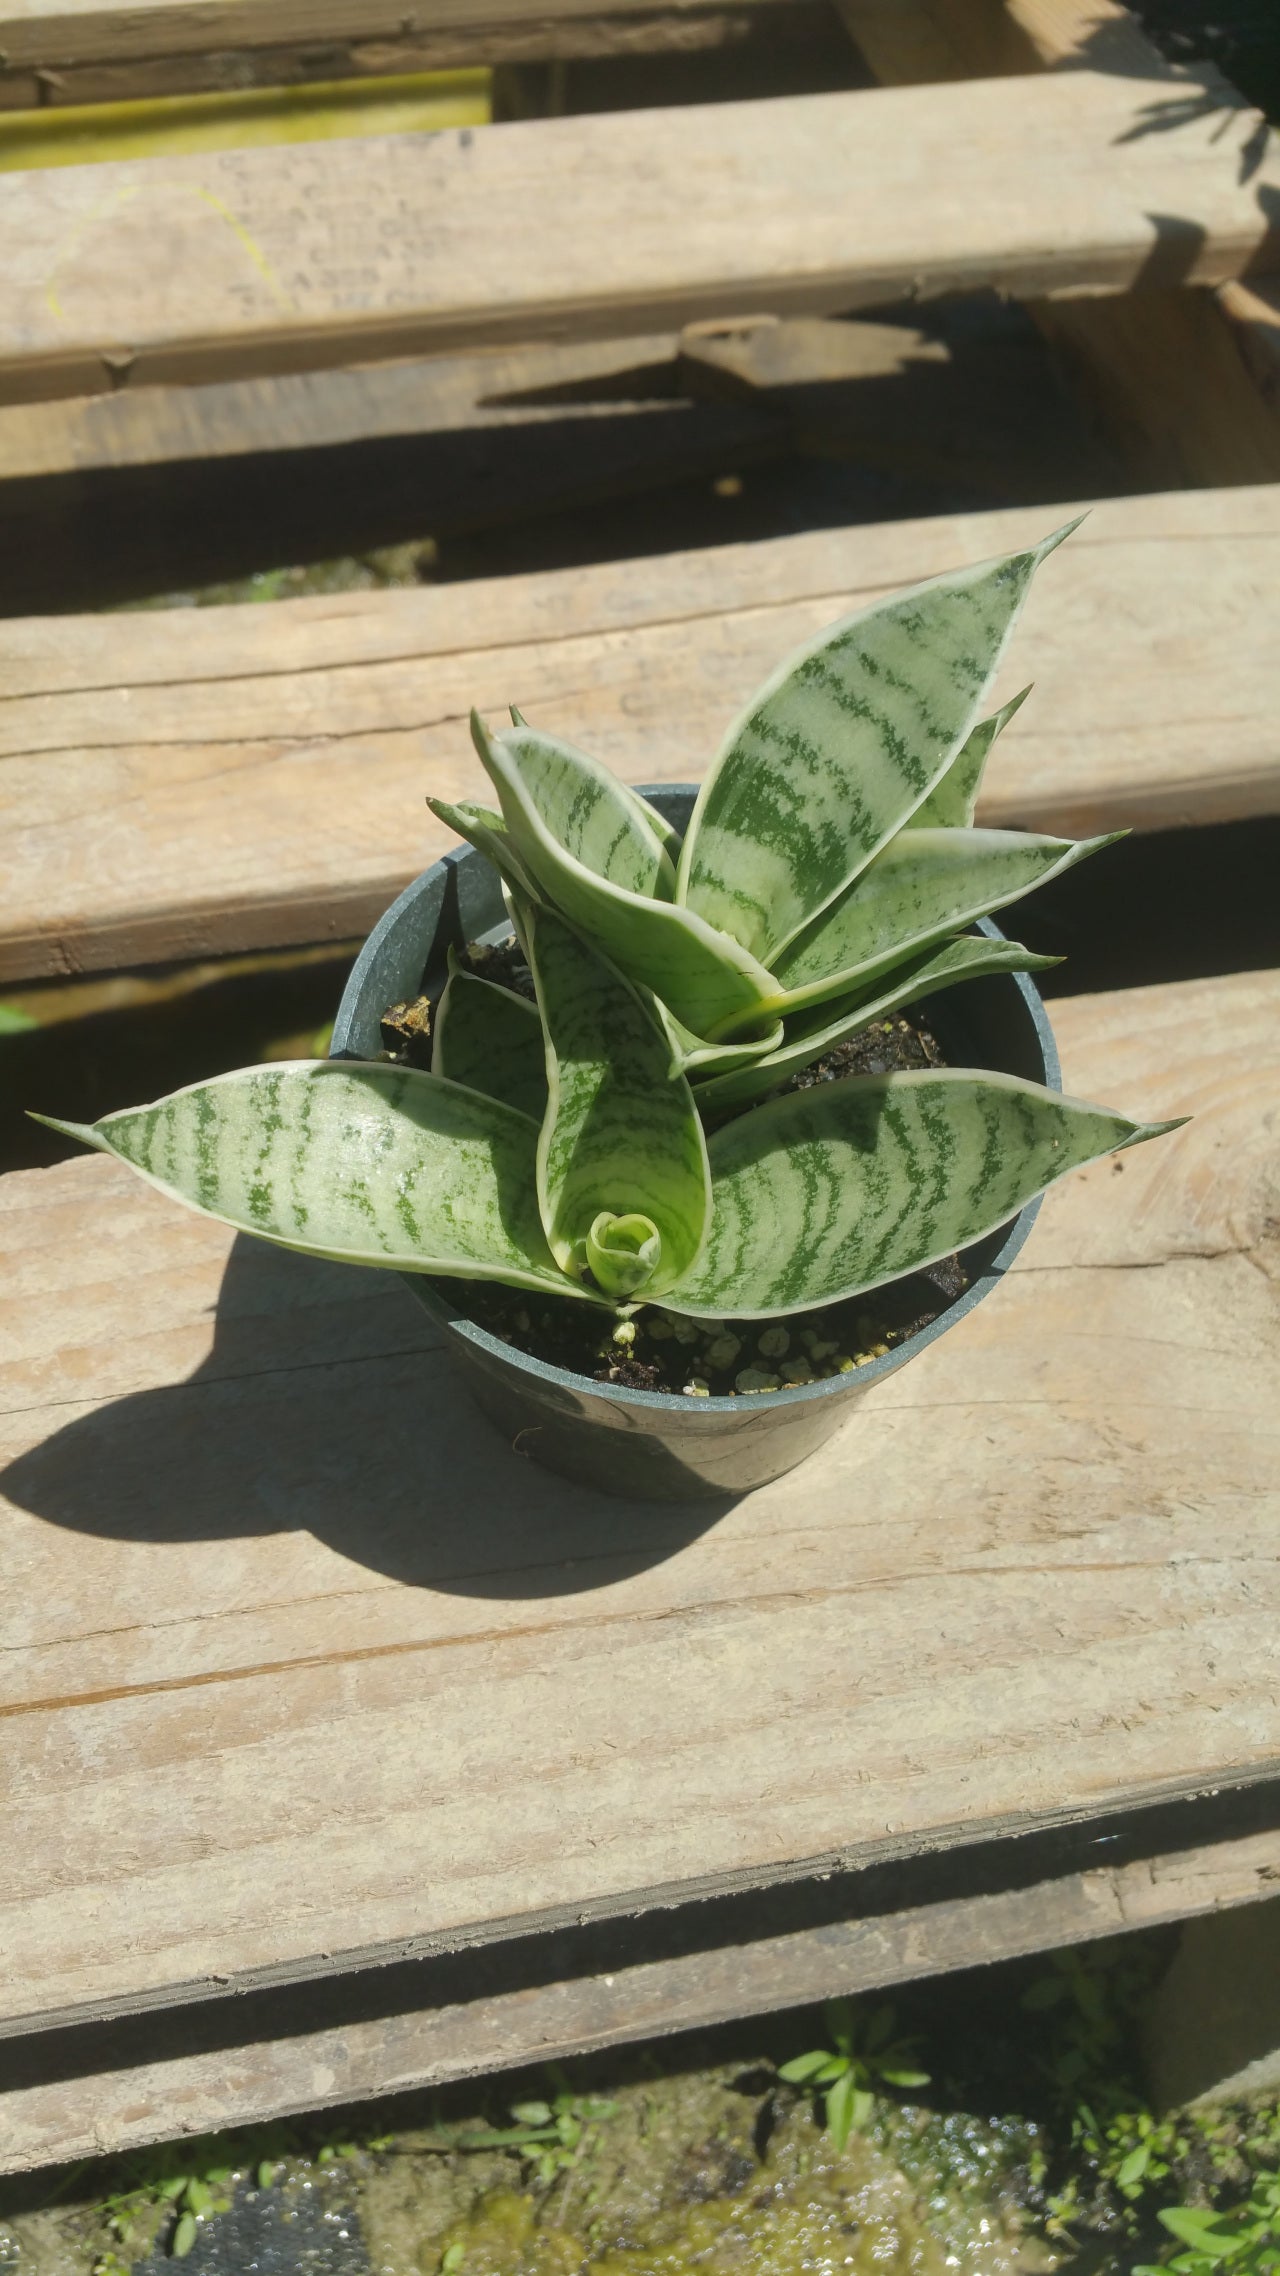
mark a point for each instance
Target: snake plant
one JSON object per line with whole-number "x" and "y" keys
{"x": 631, "y": 1136}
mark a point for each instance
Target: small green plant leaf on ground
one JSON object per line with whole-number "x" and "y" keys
{"x": 184, "y": 2236}
{"x": 864, "y": 2056}
{"x": 1244, "y": 2239}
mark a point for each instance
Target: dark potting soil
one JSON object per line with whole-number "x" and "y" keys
{"x": 659, "y": 1350}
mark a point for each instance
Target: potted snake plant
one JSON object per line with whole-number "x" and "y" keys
{"x": 634, "y": 1149}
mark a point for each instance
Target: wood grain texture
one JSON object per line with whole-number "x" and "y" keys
{"x": 194, "y": 781}
{"x": 43, "y": 32}
{"x": 164, "y": 426}
{"x": 259, "y": 260}
{"x": 1181, "y": 383}
{"x": 106, "y": 57}
{"x": 300, "y": 1661}
{"x": 196, "y": 2093}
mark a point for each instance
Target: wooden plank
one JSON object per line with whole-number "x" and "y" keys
{"x": 1184, "y": 384}
{"x": 163, "y": 426}
{"x": 183, "y": 783}
{"x": 84, "y": 2112}
{"x": 299, "y": 257}
{"x": 106, "y": 57}
{"x": 39, "y": 33}
{"x": 265, "y": 1566}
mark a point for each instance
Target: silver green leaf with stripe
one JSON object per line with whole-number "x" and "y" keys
{"x": 953, "y": 799}
{"x": 834, "y": 1190}
{"x": 837, "y": 750}
{"x": 490, "y": 1040}
{"x": 925, "y": 885}
{"x": 623, "y": 1182}
{"x": 633, "y": 1135}
{"x": 364, "y": 1163}
{"x": 811, "y": 1034}
{"x": 713, "y": 986}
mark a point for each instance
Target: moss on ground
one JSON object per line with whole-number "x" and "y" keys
{"x": 1030, "y": 2149}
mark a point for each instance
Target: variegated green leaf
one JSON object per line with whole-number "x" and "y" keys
{"x": 622, "y": 1161}
{"x": 490, "y": 1040}
{"x": 366, "y": 1163}
{"x": 696, "y": 1059}
{"x": 665, "y": 832}
{"x": 830, "y": 1191}
{"x": 711, "y": 984}
{"x": 596, "y": 819}
{"x": 951, "y": 802}
{"x": 811, "y": 1034}
{"x": 489, "y": 834}
{"x": 925, "y": 885}
{"x": 840, "y": 746}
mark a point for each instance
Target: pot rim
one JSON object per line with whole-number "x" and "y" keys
{"x": 682, "y": 1402}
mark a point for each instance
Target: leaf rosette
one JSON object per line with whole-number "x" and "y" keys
{"x": 630, "y": 1135}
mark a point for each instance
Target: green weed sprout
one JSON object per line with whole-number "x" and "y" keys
{"x": 863, "y": 2056}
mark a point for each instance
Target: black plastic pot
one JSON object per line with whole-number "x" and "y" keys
{"x": 650, "y": 1445}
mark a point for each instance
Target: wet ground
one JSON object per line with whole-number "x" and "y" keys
{"x": 1017, "y": 2138}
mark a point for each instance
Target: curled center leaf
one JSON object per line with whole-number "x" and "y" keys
{"x": 623, "y": 1252}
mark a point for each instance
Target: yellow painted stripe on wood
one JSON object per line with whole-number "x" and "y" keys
{"x": 184, "y": 125}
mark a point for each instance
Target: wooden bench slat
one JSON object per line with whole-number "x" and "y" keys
{"x": 302, "y": 1665}
{"x": 196, "y": 781}
{"x": 37, "y": 33}
{"x": 292, "y": 258}
{"x": 103, "y": 54}
{"x": 248, "y": 2077}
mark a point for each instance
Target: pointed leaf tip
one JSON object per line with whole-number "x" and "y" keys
{"x": 84, "y": 1131}
{"x": 1057, "y": 537}
{"x": 1144, "y": 1130}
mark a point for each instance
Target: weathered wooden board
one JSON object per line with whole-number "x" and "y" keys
{"x": 188, "y": 782}
{"x": 293, "y": 258}
{"x": 301, "y": 1665}
{"x": 107, "y": 55}
{"x": 52, "y": 32}
{"x": 59, "y": 2105}
{"x": 1182, "y": 383}
{"x": 163, "y": 426}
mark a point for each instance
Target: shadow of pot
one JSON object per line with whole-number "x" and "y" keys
{"x": 653, "y": 1445}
